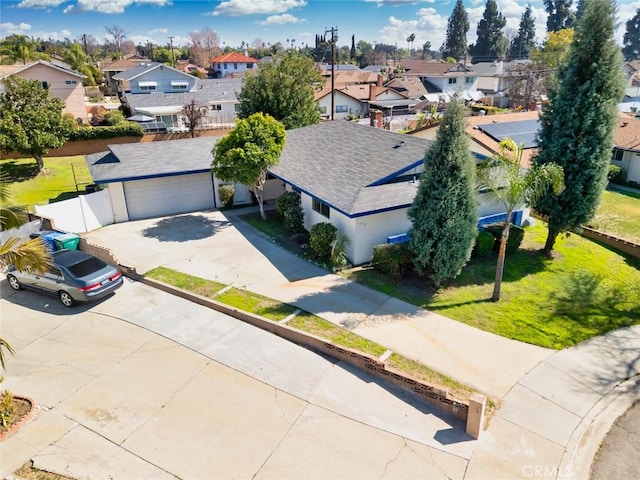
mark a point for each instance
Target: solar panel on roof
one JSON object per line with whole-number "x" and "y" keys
{"x": 522, "y": 132}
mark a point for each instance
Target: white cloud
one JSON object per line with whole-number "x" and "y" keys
{"x": 235, "y": 8}
{"x": 428, "y": 27}
{"x": 108, "y": 6}
{"x": 398, "y": 3}
{"x": 158, "y": 30}
{"x": 283, "y": 19}
{"x": 40, "y": 3}
{"x": 11, "y": 28}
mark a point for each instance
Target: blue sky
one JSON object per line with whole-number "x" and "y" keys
{"x": 386, "y": 21}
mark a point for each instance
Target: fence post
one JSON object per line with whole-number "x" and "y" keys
{"x": 475, "y": 420}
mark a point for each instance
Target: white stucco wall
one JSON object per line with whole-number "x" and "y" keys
{"x": 354, "y": 106}
{"x": 373, "y": 230}
{"x": 461, "y": 85}
{"x": 633, "y": 167}
{"x": 118, "y": 202}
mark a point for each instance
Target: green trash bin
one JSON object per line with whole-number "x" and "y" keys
{"x": 67, "y": 241}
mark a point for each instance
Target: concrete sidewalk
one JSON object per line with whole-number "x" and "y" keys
{"x": 556, "y": 406}
{"x": 221, "y": 247}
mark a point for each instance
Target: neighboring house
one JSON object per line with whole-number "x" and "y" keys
{"x": 442, "y": 80}
{"x": 159, "y": 178}
{"x": 218, "y": 96}
{"x": 233, "y": 63}
{"x": 410, "y": 87}
{"x": 149, "y": 77}
{"x": 487, "y": 131}
{"x": 360, "y": 179}
{"x": 191, "y": 69}
{"x": 61, "y": 83}
{"x": 357, "y": 100}
{"x": 112, "y": 69}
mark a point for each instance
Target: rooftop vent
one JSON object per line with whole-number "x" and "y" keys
{"x": 400, "y": 144}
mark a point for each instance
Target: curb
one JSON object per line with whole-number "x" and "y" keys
{"x": 594, "y": 427}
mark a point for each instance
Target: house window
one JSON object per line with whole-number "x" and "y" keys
{"x": 178, "y": 86}
{"x": 236, "y": 107}
{"x": 225, "y": 66}
{"x": 469, "y": 80}
{"x": 323, "y": 110}
{"x": 342, "y": 108}
{"x": 235, "y": 66}
{"x": 216, "y": 108}
{"x": 45, "y": 85}
{"x": 320, "y": 207}
{"x": 147, "y": 88}
{"x": 617, "y": 155}
{"x": 249, "y": 65}
{"x": 71, "y": 82}
{"x": 452, "y": 81}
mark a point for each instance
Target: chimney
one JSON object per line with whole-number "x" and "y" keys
{"x": 372, "y": 91}
{"x": 375, "y": 118}
{"x": 380, "y": 80}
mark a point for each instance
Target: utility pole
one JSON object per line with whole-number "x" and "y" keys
{"x": 334, "y": 31}
{"x": 173, "y": 56}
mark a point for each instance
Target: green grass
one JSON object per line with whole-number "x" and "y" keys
{"x": 619, "y": 215}
{"x": 254, "y": 303}
{"x": 307, "y": 322}
{"x": 206, "y": 288}
{"x": 588, "y": 290}
{"x": 54, "y": 184}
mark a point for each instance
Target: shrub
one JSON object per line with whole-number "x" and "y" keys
{"x": 113, "y": 117}
{"x": 321, "y": 238}
{"x": 616, "y": 174}
{"x": 7, "y": 408}
{"x": 339, "y": 252}
{"x": 516, "y": 234}
{"x": 124, "y": 129}
{"x": 484, "y": 244}
{"x": 288, "y": 206}
{"x": 393, "y": 259}
{"x": 226, "y": 195}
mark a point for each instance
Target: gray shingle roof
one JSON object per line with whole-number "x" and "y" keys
{"x": 133, "y": 72}
{"x": 336, "y": 161}
{"x": 206, "y": 91}
{"x": 130, "y": 161}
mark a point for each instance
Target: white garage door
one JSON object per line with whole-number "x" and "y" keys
{"x": 155, "y": 197}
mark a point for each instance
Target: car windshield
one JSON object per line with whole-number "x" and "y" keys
{"x": 86, "y": 267}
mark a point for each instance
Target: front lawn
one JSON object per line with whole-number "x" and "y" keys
{"x": 619, "y": 215}
{"x": 586, "y": 291}
{"x": 63, "y": 178}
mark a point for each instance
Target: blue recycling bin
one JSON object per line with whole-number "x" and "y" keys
{"x": 49, "y": 240}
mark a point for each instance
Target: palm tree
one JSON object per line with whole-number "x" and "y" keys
{"x": 31, "y": 255}
{"x": 503, "y": 178}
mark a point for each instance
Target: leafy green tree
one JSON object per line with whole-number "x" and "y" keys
{"x": 525, "y": 40}
{"x": 559, "y": 13}
{"x": 31, "y": 122}
{"x": 577, "y": 125}
{"x": 555, "y": 50}
{"x": 245, "y": 154}
{"x": 502, "y": 178}
{"x": 491, "y": 43}
{"x": 76, "y": 58}
{"x": 631, "y": 39}
{"x": 444, "y": 213}
{"x": 426, "y": 48}
{"x": 455, "y": 44}
{"x": 282, "y": 89}
{"x": 19, "y": 48}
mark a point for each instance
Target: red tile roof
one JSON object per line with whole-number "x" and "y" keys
{"x": 234, "y": 57}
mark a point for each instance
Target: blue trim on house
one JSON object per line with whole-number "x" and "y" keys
{"x": 147, "y": 177}
{"x": 516, "y": 218}
{"x": 386, "y": 179}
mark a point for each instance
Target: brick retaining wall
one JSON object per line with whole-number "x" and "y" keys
{"x": 619, "y": 244}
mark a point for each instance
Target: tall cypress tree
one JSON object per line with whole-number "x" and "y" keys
{"x": 491, "y": 43}
{"x": 352, "y": 52}
{"x": 444, "y": 213}
{"x": 524, "y": 41}
{"x": 560, "y": 14}
{"x": 455, "y": 45}
{"x": 577, "y": 126}
{"x": 631, "y": 39}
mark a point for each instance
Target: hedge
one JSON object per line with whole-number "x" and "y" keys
{"x": 125, "y": 129}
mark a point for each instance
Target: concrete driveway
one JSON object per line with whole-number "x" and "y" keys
{"x": 147, "y": 385}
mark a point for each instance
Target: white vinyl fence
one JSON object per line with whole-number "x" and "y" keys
{"x": 81, "y": 214}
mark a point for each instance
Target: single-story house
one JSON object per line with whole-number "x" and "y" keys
{"x": 159, "y": 178}
{"x": 359, "y": 178}
{"x": 112, "y": 69}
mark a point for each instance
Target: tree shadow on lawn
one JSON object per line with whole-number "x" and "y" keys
{"x": 183, "y": 228}
{"x": 19, "y": 172}
{"x": 588, "y": 302}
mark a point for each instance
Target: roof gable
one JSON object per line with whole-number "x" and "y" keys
{"x": 8, "y": 70}
{"x": 340, "y": 162}
{"x": 234, "y": 57}
{"x": 145, "y": 68}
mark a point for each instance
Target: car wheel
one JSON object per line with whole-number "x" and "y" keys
{"x": 14, "y": 282}
{"x": 66, "y": 299}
